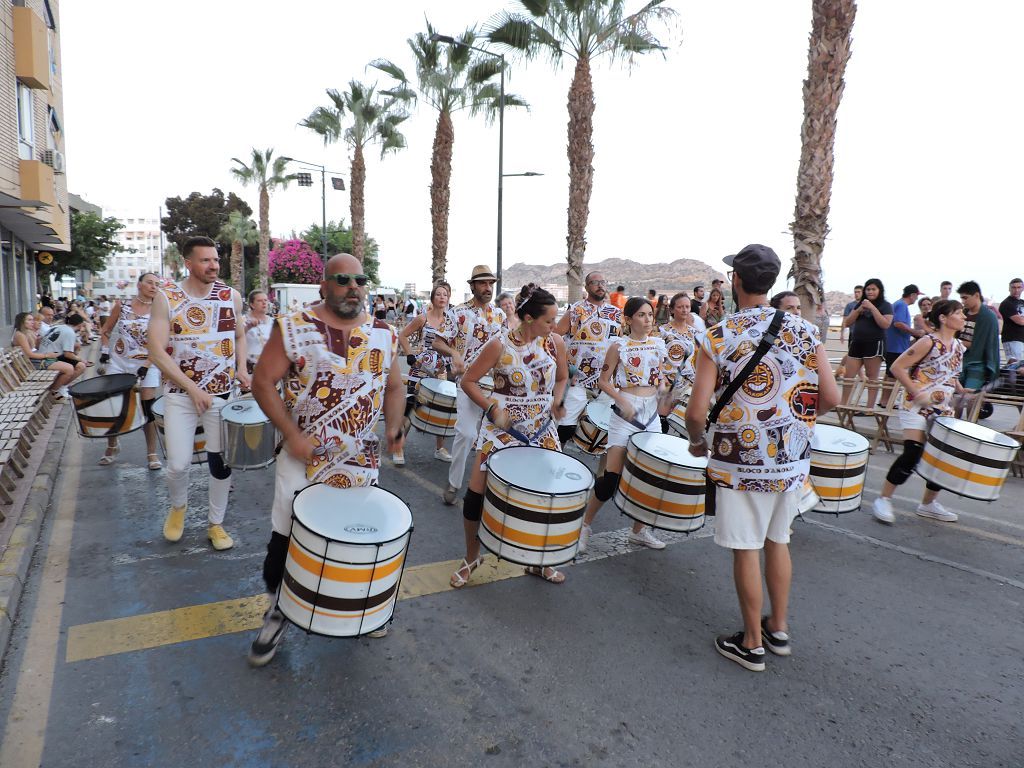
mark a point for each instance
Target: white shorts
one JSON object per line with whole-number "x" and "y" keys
{"x": 744, "y": 519}
{"x": 1014, "y": 350}
{"x": 151, "y": 379}
{"x": 913, "y": 420}
{"x": 646, "y": 412}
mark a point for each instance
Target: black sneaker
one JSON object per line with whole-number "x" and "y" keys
{"x": 265, "y": 645}
{"x": 776, "y": 642}
{"x": 731, "y": 646}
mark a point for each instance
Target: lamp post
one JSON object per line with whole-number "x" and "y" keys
{"x": 306, "y": 180}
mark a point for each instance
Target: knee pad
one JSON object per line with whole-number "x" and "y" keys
{"x": 473, "y": 506}
{"x": 218, "y": 468}
{"x": 902, "y": 468}
{"x": 410, "y": 403}
{"x": 565, "y": 433}
{"x": 606, "y": 484}
{"x": 147, "y": 408}
{"x": 664, "y": 424}
{"x": 273, "y": 564}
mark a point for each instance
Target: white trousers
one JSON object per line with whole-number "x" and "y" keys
{"x": 467, "y": 428}
{"x": 289, "y": 479}
{"x": 180, "y": 421}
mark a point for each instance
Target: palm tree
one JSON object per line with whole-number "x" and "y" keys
{"x": 373, "y": 120}
{"x": 828, "y": 54}
{"x": 582, "y": 30}
{"x": 268, "y": 173}
{"x": 173, "y": 260}
{"x": 240, "y": 231}
{"x": 449, "y": 78}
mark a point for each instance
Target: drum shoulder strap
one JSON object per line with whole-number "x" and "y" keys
{"x": 767, "y": 341}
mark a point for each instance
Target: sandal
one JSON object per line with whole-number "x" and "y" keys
{"x": 108, "y": 457}
{"x": 548, "y": 574}
{"x": 154, "y": 461}
{"x": 458, "y": 581}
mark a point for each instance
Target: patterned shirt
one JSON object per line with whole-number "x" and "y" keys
{"x": 202, "y": 338}
{"x": 429, "y": 363}
{"x": 128, "y": 350}
{"x": 336, "y": 394}
{"x": 591, "y": 328}
{"x": 936, "y": 374}
{"x": 467, "y": 328}
{"x": 762, "y": 441}
{"x": 642, "y": 363}
{"x": 682, "y": 347}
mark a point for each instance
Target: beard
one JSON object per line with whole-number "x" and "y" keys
{"x": 347, "y": 308}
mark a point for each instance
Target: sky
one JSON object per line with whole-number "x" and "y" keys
{"x": 696, "y": 151}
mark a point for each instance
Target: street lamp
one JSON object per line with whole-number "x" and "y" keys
{"x": 306, "y": 180}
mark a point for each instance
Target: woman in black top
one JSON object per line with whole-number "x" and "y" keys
{"x": 869, "y": 319}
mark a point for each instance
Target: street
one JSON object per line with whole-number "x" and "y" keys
{"x": 131, "y": 651}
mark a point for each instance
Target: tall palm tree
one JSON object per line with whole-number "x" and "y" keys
{"x": 583, "y": 30}
{"x": 449, "y": 78}
{"x": 373, "y": 119}
{"x": 828, "y": 54}
{"x": 240, "y": 231}
{"x": 267, "y": 173}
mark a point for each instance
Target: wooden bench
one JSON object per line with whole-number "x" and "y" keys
{"x": 25, "y": 404}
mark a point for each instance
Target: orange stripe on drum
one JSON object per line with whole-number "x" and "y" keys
{"x": 828, "y": 492}
{"x": 531, "y": 539}
{"x": 963, "y": 474}
{"x": 429, "y": 417}
{"x": 686, "y": 480}
{"x": 517, "y": 502}
{"x": 349, "y": 574}
{"x": 660, "y": 505}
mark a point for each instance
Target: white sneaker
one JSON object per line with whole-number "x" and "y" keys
{"x": 443, "y": 455}
{"x": 64, "y": 392}
{"x": 584, "y": 539}
{"x": 646, "y": 538}
{"x": 882, "y": 510}
{"x": 398, "y": 459}
{"x": 936, "y": 512}
{"x": 382, "y": 632}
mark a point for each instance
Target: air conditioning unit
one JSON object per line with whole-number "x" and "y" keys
{"x": 54, "y": 159}
{"x": 47, "y": 156}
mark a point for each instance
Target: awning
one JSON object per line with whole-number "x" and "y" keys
{"x": 9, "y": 201}
{"x": 36, "y": 234}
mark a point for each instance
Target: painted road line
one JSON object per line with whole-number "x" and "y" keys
{"x": 25, "y": 730}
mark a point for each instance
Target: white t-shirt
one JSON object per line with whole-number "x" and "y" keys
{"x": 105, "y": 307}
{"x": 58, "y": 339}
{"x": 90, "y": 311}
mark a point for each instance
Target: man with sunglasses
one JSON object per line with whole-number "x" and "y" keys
{"x": 340, "y": 371}
{"x": 588, "y": 327}
{"x": 466, "y": 329}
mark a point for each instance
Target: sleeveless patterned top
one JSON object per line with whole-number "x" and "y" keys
{"x": 682, "y": 347}
{"x": 429, "y": 363}
{"x": 202, "y": 338}
{"x": 936, "y": 374}
{"x": 642, "y": 363}
{"x": 467, "y": 328}
{"x": 336, "y": 394}
{"x": 128, "y": 340}
{"x": 591, "y": 328}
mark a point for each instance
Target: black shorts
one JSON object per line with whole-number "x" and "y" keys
{"x": 861, "y": 350}
{"x": 890, "y": 358}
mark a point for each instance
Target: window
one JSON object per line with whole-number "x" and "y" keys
{"x": 26, "y": 144}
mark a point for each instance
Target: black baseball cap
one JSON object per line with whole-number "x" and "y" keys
{"x": 758, "y": 265}
{"x": 911, "y": 289}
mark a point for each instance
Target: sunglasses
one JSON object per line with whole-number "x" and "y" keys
{"x": 342, "y": 279}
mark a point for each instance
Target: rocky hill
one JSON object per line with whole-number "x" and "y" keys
{"x": 678, "y": 275}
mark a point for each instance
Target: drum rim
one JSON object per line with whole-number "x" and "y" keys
{"x": 129, "y": 380}
{"x": 587, "y": 490}
{"x": 522, "y": 562}
{"x": 412, "y": 521}
{"x": 420, "y": 384}
{"x": 660, "y": 458}
{"x": 615, "y": 500}
{"x": 947, "y": 422}
{"x": 829, "y": 428}
{"x": 239, "y": 401}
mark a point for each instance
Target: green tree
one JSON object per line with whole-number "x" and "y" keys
{"x": 200, "y": 214}
{"x": 341, "y": 239}
{"x": 582, "y": 30}
{"x": 267, "y": 173}
{"x": 93, "y": 241}
{"x": 449, "y": 78}
{"x": 240, "y": 231}
{"x": 369, "y": 119}
{"x": 173, "y": 261}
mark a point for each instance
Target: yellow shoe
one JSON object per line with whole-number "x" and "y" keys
{"x": 174, "y": 525}
{"x": 219, "y": 538}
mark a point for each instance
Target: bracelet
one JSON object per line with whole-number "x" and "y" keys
{"x": 702, "y": 441}
{"x": 487, "y": 413}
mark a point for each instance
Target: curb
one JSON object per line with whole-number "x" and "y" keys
{"x": 16, "y": 560}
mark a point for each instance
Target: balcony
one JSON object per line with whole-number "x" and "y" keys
{"x": 37, "y": 181}
{"x": 31, "y": 49}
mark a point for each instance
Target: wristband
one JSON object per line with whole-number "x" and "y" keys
{"x": 702, "y": 441}
{"x": 487, "y": 413}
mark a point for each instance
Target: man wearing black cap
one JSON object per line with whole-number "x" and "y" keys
{"x": 759, "y": 444}
{"x": 900, "y": 334}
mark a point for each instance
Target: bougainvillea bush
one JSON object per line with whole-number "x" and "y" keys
{"x": 293, "y": 261}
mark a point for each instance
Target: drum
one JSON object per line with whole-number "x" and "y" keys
{"x": 346, "y": 556}
{"x": 839, "y": 462}
{"x": 808, "y": 498}
{"x": 967, "y": 459}
{"x": 677, "y": 418}
{"x": 486, "y": 384}
{"x": 662, "y": 484}
{"x": 198, "y": 442}
{"x": 108, "y": 406}
{"x": 533, "y": 505}
{"x": 435, "y": 407}
{"x": 248, "y": 438}
{"x": 592, "y": 430}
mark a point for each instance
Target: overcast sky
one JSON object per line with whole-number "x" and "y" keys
{"x": 696, "y": 152}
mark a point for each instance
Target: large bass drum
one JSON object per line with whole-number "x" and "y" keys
{"x": 967, "y": 459}
{"x": 662, "y": 484}
{"x": 198, "y": 441}
{"x": 839, "y": 462}
{"x": 108, "y": 406}
{"x": 435, "y": 407}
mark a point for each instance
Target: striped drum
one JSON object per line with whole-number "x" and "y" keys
{"x": 662, "y": 485}
{"x": 967, "y": 459}
{"x": 108, "y": 406}
{"x": 809, "y": 498}
{"x": 839, "y": 462}
{"x": 345, "y": 559}
{"x": 486, "y": 384}
{"x": 677, "y": 418}
{"x": 435, "y": 407}
{"x": 533, "y": 505}
{"x": 198, "y": 441}
{"x": 591, "y": 434}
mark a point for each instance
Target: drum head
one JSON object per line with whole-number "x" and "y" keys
{"x": 104, "y": 385}
{"x": 600, "y": 414}
{"x": 668, "y": 448}
{"x": 439, "y": 386}
{"x": 972, "y": 430}
{"x": 245, "y": 410}
{"x": 367, "y": 515}
{"x": 829, "y": 439}
{"x": 540, "y": 470}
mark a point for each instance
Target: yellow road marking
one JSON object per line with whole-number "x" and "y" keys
{"x": 195, "y": 622}
{"x": 26, "y": 723}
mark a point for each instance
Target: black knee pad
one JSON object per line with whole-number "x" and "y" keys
{"x": 664, "y": 424}
{"x": 410, "y": 403}
{"x": 903, "y": 467}
{"x": 606, "y": 484}
{"x": 147, "y": 408}
{"x": 473, "y": 506}
{"x": 565, "y": 433}
{"x": 273, "y": 563}
{"x": 218, "y": 468}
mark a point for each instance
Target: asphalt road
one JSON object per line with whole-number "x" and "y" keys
{"x": 908, "y": 645}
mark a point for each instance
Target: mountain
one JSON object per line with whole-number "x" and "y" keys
{"x": 678, "y": 275}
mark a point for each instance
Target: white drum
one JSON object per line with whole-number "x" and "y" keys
{"x": 108, "y": 406}
{"x": 967, "y": 459}
{"x": 345, "y": 559}
{"x": 486, "y": 384}
{"x": 198, "y": 442}
{"x": 533, "y": 505}
{"x": 809, "y": 498}
{"x": 591, "y": 434}
{"x": 435, "y": 407}
{"x": 662, "y": 484}
{"x": 677, "y": 418}
{"x": 248, "y": 438}
{"x": 839, "y": 462}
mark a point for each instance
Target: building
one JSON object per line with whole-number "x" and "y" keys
{"x": 34, "y": 214}
{"x": 560, "y": 292}
{"x": 141, "y": 239}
